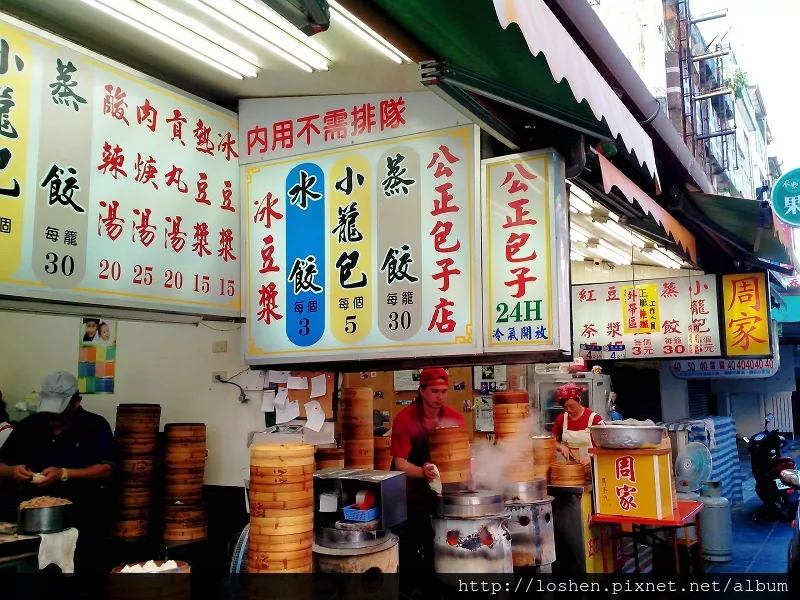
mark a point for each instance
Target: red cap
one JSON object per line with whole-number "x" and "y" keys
{"x": 570, "y": 390}
{"x": 432, "y": 376}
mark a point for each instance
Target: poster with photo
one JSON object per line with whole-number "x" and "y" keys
{"x": 490, "y": 379}
{"x": 97, "y": 356}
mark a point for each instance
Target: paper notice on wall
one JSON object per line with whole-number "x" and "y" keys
{"x": 319, "y": 386}
{"x": 297, "y": 383}
{"x": 315, "y": 416}
{"x": 278, "y": 376}
{"x": 287, "y": 413}
{"x": 268, "y": 401}
{"x": 281, "y": 397}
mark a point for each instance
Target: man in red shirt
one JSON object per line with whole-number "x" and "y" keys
{"x": 411, "y": 454}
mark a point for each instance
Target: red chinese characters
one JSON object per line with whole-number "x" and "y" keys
{"x": 114, "y": 103}
{"x": 626, "y": 495}
{"x": 112, "y": 161}
{"x": 268, "y": 295}
{"x": 147, "y": 114}
{"x": 110, "y": 223}
{"x": 226, "y": 245}
{"x": 444, "y": 242}
{"x": 144, "y": 230}
{"x": 585, "y": 295}
{"x": 335, "y": 124}
{"x": 200, "y": 240}
{"x": 625, "y": 471}
{"x": 174, "y": 236}
{"x": 624, "y": 468}
{"x": 516, "y": 183}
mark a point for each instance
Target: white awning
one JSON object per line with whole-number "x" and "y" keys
{"x": 544, "y": 33}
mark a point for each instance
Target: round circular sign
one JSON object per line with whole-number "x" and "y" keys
{"x": 786, "y": 198}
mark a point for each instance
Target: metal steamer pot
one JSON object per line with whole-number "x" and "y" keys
{"x": 530, "y": 524}
{"x": 50, "y": 519}
{"x": 471, "y": 534}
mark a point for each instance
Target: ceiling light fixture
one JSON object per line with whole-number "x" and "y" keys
{"x": 248, "y": 32}
{"x": 671, "y": 255}
{"x": 662, "y": 260}
{"x": 611, "y": 255}
{"x": 200, "y": 29}
{"x": 579, "y": 204}
{"x": 162, "y": 37}
{"x": 265, "y": 12}
{"x": 621, "y": 233}
{"x": 577, "y": 236}
{"x": 362, "y": 30}
{"x": 608, "y": 246}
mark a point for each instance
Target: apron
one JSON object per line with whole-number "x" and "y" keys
{"x": 578, "y": 441}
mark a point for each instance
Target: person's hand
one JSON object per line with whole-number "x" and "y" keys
{"x": 586, "y": 460}
{"x": 21, "y": 473}
{"x": 563, "y": 450}
{"x": 49, "y": 476}
{"x": 428, "y": 471}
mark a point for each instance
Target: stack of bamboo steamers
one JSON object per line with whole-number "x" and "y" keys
{"x": 512, "y": 427}
{"x": 281, "y": 508}
{"x": 135, "y": 434}
{"x": 185, "y": 516}
{"x": 357, "y": 437}
{"x": 450, "y": 452}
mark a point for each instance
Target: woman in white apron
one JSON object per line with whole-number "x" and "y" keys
{"x": 571, "y": 428}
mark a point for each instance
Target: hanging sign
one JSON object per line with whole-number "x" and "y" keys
{"x": 525, "y": 254}
{"x": 746, "y": 308}
{"x": 278, "y": 128}
{"x": 786, "y": 198}
{"x": 660, "y": 318}
{"x": 750, "y": 368}
{"x": 113, "y": 190}
{"x": 364, "y": 252}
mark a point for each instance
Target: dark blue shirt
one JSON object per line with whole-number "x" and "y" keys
{"x": 86, "y": 442}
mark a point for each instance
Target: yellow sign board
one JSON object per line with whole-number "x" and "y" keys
{"x": 747, "y": 320}
{"x": 634, "y": 485}
{"x": 640, "y": 308}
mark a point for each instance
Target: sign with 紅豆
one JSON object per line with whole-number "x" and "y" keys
{"x": 279, "y": 128}
{"x": 364, "y": 252}
{"x": 685, "y": 321}
{"x": 786, "y": 198}
{"x": 525, "y": 254}
{"x": 113, "y": 190}
{"x": 747, "y": 315}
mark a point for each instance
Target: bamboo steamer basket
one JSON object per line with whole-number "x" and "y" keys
{"x": 541, "y": 471}
{"x": 357, "y": 405}
{"x": 327, "y": 458}
{"x": 183, "y": 492}
{"x": 130, "y": 529}
{"x": 138, "y": 418}
{"x": 280, "y": 496}
{"x": 259, "y": 564}
{"x": 303, "y": 486}
{"x": 136, "y": 496}
{"x": 126, "y": 586}
{"x": 359, "y": 453}
{"x": 135, "y": 447}
{"x": 136, "y": 471}
{"x": 383, "y": 452}
{"x": 567, "y": 474}
{"x": 184, "y": 534}
{"x": 281, "y": 456}
{"x": 273, "y": 526}
{"x": 260, "y": 506}
{"x": 183, "y": 513}
{"x": 294, "y": 541}
{"x": 449, "y": 451}
{"x": 185, "y": 433}
{"x": 307, "y": 469}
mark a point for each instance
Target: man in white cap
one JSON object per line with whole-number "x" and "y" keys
{"x": 66, "y": 452}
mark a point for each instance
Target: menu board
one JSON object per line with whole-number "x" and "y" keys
{"x": 113, "y": 190}
{"x": 364, "y": 252}
{"x": 525, "y": 254}
{"x": 662, "y": 318}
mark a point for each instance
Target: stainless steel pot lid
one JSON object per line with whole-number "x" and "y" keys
{"x": 466, "y": 503}
{"x": 528, "y": 491}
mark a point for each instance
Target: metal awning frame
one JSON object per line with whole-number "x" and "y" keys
{"x": 457, "y": 84}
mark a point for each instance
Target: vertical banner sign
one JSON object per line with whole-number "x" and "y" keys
{"x": 664, "y": 318}
{"x": 519, "y": 253}
{"x": 113, "y": 190}
{"x": 747, "y": 315}
{"x": 382, "y": 231}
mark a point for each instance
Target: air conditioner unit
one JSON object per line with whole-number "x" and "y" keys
{"x": 309, "y": 16}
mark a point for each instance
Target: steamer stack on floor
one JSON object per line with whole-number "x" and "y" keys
{"x": 383, "y": 452}
{"x": 281, "y": 508}
{"x": 185, "y": 515}
{"x": 357, "y": 436}
{"x": 135, "y": 434}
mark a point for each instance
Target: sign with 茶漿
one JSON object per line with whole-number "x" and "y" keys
{"x": 786, "y": 198}
{"x": 663, "y": 318}
{"x": 279, "y": 128}
{"x": 364, "y": 252}
{"x": 113, "y": 190}
{"x": 525, "y": 254}
{"x": 746, "y": 306}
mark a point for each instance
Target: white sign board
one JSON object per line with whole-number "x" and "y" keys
{"x": 660, "y": 318}
{"x": 525, "y": 254}
{"x": 365, "y": 252}
{"x": 761, "y": 368}
{"x": 113, "y": 191}
{"x": 277, "y": 128}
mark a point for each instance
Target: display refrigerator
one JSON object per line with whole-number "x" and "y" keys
{"x": 544, "y": 381}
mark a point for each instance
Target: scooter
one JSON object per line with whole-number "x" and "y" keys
{"x": 767, "y": 463}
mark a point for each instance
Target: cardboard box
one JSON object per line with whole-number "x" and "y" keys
{"x": 634, "y": 483}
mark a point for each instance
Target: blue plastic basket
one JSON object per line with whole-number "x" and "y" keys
{"x": 354, "y": 514}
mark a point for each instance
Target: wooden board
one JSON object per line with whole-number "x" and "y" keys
{"x": 303, "y": 396}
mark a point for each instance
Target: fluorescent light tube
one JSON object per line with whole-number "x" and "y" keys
{"x": 355, "y": 24}
{"x": 265, "y": 12}
{"x": 620, "y": 233}
{"x": 612, "y": 248}
{"x": 160, "y": 36}
{"x": 201, "y": 29}
{"x": 579, "y": 204}
{"x": 263, "y": 28}
{"x": 182, "y": 35}
{"x": 576, "y": 257}
{"x": 612, "y": 256}
{"x": 242, "y": 30}
{"x": 577, "y": 252}
{"x": 671, "y": 255}
{"x": 573, "y": 210}
{"x": 662, "y": 260}
{"x": 577, "y": 236}
{"x": 577, "y": 229}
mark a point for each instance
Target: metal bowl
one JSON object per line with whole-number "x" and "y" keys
{"x": 627, "y": 437}
{"x": 51, "y": 519}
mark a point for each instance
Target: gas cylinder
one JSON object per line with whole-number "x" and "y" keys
{"x": 687, "y": 535}
{"x": 715, "y": 521}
